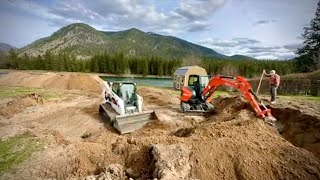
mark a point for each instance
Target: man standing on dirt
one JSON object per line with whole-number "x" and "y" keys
{"x": 274, "y": 82}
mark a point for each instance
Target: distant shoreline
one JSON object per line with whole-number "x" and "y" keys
{"x": 4, "y": 71}
{"x": 133, "y": 76}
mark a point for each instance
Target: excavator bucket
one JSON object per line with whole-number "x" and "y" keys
{"x": 270, "y": 120}
{"x": 129, "y": 122}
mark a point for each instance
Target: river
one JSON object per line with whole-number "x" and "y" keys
{"x": 142, "y": 81}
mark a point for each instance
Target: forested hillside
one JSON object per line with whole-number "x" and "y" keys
{"x": 153, "y": 65}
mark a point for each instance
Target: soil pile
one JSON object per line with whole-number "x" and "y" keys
{"x": 171, "y": 161}
{"x": 159, "y": 97}
{"x": 19, "y": 104}
{"x": 247, "y": 148}
{"x": 233, "y": 144}
{"x": 53, "y": 80}
{"x": 112, "y": 172}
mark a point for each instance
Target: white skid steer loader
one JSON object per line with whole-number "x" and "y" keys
{"x": 123, "y": 107}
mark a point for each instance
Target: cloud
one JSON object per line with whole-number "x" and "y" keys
{"x": 293, "y": 47}
{"x": 198, "y": 26}
{"x": 263, "y": 22}
{"x": 194, "y": 10}
{"x": 250, "y": 47}
{"x": 262, "y": 49}
{"x": 229, "y": 43}
{"x": 188, "y": 19}
{"x": 189, "y": 16}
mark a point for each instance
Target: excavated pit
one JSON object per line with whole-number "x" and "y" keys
{"x": 299, "y": 128}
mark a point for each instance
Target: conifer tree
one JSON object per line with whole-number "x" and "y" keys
{"x": 310, "y": 52}
{"x": 13, "y": 56}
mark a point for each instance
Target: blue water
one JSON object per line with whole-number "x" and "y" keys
{"x": 3, "y": 73}
{"x": 142, "y": 81}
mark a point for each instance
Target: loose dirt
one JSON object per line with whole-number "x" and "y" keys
{"x": 18, "y": 104}
{"x": 53, "y": 80}
{"x": 231, "y": 144}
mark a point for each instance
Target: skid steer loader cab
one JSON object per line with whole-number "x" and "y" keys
{"x": 123, "y": 107}
{"x": 127, "y": 92}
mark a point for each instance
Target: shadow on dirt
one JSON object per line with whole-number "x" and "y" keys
{"x": 302, "y": 130}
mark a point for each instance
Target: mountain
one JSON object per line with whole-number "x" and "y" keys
{"x": 84, "y": 41}
{"x": 6, "y": 47}
{"x": 241, "y": 57}
{"x": 4, "y": 51}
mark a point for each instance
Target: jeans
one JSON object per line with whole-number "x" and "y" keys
{"x": 273, "y": 92}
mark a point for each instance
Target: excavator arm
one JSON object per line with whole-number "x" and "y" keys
{"x": 244, "y": 87}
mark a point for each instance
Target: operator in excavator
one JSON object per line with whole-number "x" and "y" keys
{"x": 274, "y": 83}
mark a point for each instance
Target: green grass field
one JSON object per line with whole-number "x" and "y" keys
{"x": 20, "y": 91}
{"x": 15, "y": 150}
{"x": 300, "y": 97}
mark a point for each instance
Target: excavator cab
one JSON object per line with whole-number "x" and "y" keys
{"x": 191, "y": 96}
{"x": 198, "y": 83}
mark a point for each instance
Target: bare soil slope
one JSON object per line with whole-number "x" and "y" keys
{"x": 52, "y": 80}
{"x": 232, "y": 144}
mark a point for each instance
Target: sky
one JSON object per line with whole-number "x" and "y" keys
{"x": 264, "y": 29}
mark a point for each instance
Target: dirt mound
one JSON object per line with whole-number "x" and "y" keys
{"x": 53, "y": 80}
{"x": 247, "y": 148}
{"x": 160, "y": 97}
{"x": 232, "y": 144}
{"x": 171, "y": 161}
{"x": 112, "y": 172}
{"x": 18, "y": 104}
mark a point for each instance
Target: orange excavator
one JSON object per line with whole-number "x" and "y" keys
{"x": 197, "y": 96}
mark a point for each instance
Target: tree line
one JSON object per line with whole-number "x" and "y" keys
{"x": 102, "y": 63}
{"x": 248, "y": 68}
{"x": 153, "y": 65}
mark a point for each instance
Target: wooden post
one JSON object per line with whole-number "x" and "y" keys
{"x": 259, "y": 83}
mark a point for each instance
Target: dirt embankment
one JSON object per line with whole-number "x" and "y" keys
{"x": 53, "y": 80}
{"x": 231, "y": 144}
{"x": 18, "y": 104}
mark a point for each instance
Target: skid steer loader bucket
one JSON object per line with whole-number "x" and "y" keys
{"x": 129, "y": 122}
